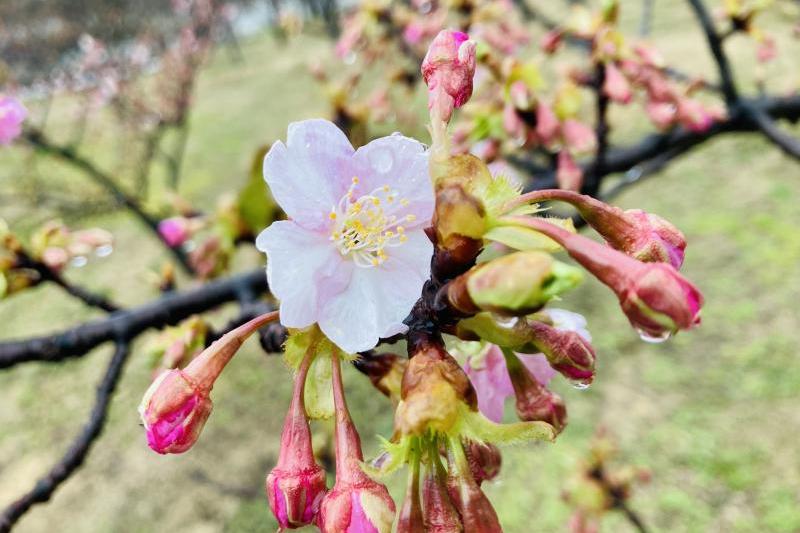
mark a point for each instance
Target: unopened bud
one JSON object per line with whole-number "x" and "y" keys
{"x": 484, "y": 460}
{"x": 566, "y": 351}
{"x": 516, "y": 283}
{"x": 440, "y": 514}
{"x": 434, "y": 386}
{"x": 615, "y": 85}
{"x": 448, "y": 69}
{"x": 533, "y": 401}
{"x": 477, "y": 513}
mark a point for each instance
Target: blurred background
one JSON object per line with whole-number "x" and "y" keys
{"x": 712, "y": 414}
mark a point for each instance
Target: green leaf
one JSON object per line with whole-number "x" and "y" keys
{"x": 256, "y": 205}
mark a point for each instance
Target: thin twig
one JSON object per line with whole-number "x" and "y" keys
{"x": 726, "y": 80}
{"x": 44, "y": 488}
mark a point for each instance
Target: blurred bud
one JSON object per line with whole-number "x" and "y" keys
{"x": 296, "y": 486}
{"x": 434, "y": 386}
{"x": 578, "y": 137}
{"x": 615, "y": 85}
{"x": 546, "y": 123}
{"x": 661, "y": 114}
{"x": 533, "y": 401}
{"x": 385, "y": 371}
{"x": 551, "y": 41}
{"x": 448, "y": 69}
{"x": 649, "y": 56}
{"x": 12, "y": 115}
{"x": 512, "y": 122}
{"x": 516, "y": 283}
{"x": 693, "y": 115}
{"x": 484, "y": 460}
{"x": 174, "y": 231}
{"x": 569, "y": 175}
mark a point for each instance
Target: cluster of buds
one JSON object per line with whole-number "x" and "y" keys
{"x": 742, "y": 14}
{"x": 598, "y": 487}
{"x": 57, "y": 246}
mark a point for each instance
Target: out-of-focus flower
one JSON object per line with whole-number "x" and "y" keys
{"x": 569, "y": 175}
{"x": 616, "y": 86}
{"x": 354, "y": 256}
{"x": 12, "y": 114}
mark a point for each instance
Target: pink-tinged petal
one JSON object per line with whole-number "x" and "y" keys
{"x": 310, "y": 173}
{"x": 538, "y": 366}
{"x": 402, "y": 164}
{"x": 377, "y": 299}
{"x": 302, "y": 268}
{"x": 489, "y": 376}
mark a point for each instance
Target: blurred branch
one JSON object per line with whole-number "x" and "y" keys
{"x": 48, "y": 274}
{"x": 44, "y": 488}
{"x": 592, "y": 185}
{"x": 727, "y": 83}
{"x": 38, "y": 140}
{"x": 784, "y": 141}
{"x": 167, "y": 310}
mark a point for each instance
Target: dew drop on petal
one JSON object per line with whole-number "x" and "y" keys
{"x": 506, "y": 321}
{"x": 104, "y": 251}
{"x": 654, "y": 339}
{"x": 78, "y": 261}
{"x": 381, "y": 160}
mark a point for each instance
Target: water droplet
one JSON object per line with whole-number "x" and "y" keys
{"x": 350, "y": 58}
{"x": 381, "y": 160}
{"x": 104, "y": 251}
{"x": 380, "y": 460}
{"x": 78, "y": 261}
{"x": 580, "y": 385}
{"x": 506, "y": 321}
{"x": 654, "y": 339}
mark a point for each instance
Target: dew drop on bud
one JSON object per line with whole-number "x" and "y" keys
{"x": 654, "y": 339}
{"x": 580, "y": 384}
{"x": 506, "y": 321}
{"x": 104, "y": 251}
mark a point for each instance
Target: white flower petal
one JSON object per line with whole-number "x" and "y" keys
{"x": 401, "y": 163}
{"x": 302, "y": 268}
{"x": 310, "y": 173}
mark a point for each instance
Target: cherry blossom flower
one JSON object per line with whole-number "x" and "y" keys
{"x": 488, "y": 373}
{"x": 12, "y": 114}
{"x": 353, "y": 257}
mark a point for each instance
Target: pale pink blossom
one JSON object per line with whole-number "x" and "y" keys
{"x": 448, "y": 69}
{"x": 353, "y": 257}
{"x": 12, "y": 114}
{"x": 488, "y": 373}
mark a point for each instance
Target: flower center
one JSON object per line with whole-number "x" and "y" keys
{"x": 363, "y": 228}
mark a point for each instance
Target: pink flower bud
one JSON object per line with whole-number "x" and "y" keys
{"x": 694, "y": 116}
{"x": 413, "y": 33}
{"x": 662, "y": 114}
{"x": 546, "y": 123}
{"x": 12, "y": 114}
{"x": 512, "y": 122}
{"x": 642, "y": 235}
{"x": 174, "y": 231}
{"x": 551, "y": 41}
{"x": 174, "y": 410}
{"x": 440, "y": 514}
{"x": 357, "y": 503}
{"x": 567, "y": 351}
{"x": 657, "y": 300}
{"x": 177, "y": 404}
{"x": 448, "y": 69}
{"x": 616, "y": 86}
{"x": 569, "y": 175}
{"x": 649, "y": 56}
{"x": 534, "y": 401}
{"x": 484, "y": 461}
{"x": 578, "y": 137}
{"x": 296, "y": 485}
{"x": 477, "y": 513}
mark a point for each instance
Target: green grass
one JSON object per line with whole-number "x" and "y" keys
{"x": 712, "y": 413}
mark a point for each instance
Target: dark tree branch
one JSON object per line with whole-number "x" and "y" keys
{"x": 781, "y": 139}
{"x": 168, "y": 310}
{"x": 44, "y": 488}
{"x": 727, "y": 83}
{"x": 592, "y": 184}
{"x": 48, "y": 274}
{"x": 38, "y": 140}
